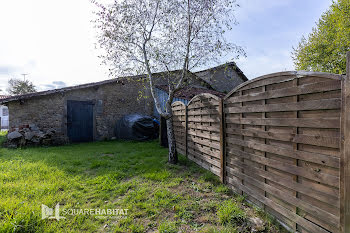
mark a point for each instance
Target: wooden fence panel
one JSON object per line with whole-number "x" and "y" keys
{"x": 203, "y": 130}
{"x": 282, "y": 140}
{"x": 282, "y": 134}
{"x": 179, "y": 122}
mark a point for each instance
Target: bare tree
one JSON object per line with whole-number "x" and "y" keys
{"x": 150, "y": 36}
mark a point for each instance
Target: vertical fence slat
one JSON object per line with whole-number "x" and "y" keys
{"x": 295, "y": 147}
{"x": 264, "y": 127}
{"x": 222, "y": 138}
{"x": 345, "y": 157}
{"x": 241, "y": 116}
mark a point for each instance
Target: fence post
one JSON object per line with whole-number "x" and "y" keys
{"x": 345, "y": 152}
{"x": 222, "y": 142}
{"x": 186, "y": 149}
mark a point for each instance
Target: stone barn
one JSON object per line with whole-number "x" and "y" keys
{"x": 89, "y": 112}
{"x": 80, "y": 113}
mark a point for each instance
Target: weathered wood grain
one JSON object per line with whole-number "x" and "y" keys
{"x": 302, "y": 155}
{"x": 297, "y": 122}
{"x": 345, "y": 152}
{"x": 204, "y": 149}
{"x": 290, "y": 91}
{"x": 292, "y": 169}
{"x": 315, "y": 211}
{"x": 210, "y": 136}
{"x": 212, "y": 129}
{"x": 332, "y": 198}
{"x": 333, "y": 142}
{"x": 287, "y": 213}
{"x": 205, "y": 165}
{"x": 299, "y": 106}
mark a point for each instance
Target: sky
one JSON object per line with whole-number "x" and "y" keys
{"x": 53, "y": 41}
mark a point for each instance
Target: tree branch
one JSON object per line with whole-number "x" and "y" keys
{"x": 188, "y": 44}
{"x": 148, "y": 68}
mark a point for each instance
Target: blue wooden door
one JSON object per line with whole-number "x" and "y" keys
{"x": 80, "y": 121}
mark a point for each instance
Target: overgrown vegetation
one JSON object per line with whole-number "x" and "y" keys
{"x": 109, "y": 175}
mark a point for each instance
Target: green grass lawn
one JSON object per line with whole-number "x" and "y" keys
{"x": 116, "y": 175}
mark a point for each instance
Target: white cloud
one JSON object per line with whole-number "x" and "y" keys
{"x": 50, "y": 40}
{"x": 53, "y": 85}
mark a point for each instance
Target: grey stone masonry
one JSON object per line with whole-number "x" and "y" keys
{"x": 110, "y": 102}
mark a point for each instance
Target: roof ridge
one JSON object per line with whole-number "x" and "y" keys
{"x": 230, "y": 63}
{"x": 107, "y": 81}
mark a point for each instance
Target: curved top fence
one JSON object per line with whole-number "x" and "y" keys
{"x": 279, "y": 139}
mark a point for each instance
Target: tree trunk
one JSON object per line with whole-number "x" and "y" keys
{"x": 171, "y": 141}
{"x": 163, "y": 135}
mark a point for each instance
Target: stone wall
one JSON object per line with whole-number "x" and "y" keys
{"x": 111, "y": 101}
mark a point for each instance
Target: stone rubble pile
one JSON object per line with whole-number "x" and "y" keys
{"x": 29, "y": 135}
